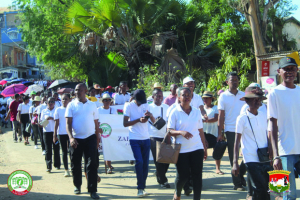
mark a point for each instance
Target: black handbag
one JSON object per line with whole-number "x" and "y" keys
{"x": 159, "y": 121}
{"x": 262, "y": 153}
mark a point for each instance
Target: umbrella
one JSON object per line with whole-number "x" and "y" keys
{"x": 27, "y": 83}
{"x": 58, "y": 83}
{"x": 3, "y": 82}
{"x": 71, "y": 85}
{"x": 14, "y": 89}
{"x": 34, "y": 87}
{"x": 17, "y": 80}
{"x": 65, "y": 90}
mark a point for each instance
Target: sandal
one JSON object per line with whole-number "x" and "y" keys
{"x": 111, "y": 167}
{"x": 220, "y": 173}
{"x": 109, "y": 171}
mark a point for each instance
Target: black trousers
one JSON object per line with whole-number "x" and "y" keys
{"x": 64, "y": 141}
{"x": 237, "y": 181}
{"x": 24, "y": 120}
{"x": 35, "y": 129}
{"x": 190, "y": 164}
{"x": 259, "y": 178}
{"x": 41, "y": 134}
{"x": 88, "y": 146}
{"x": 161, "y": 168}
{"x": 48, "y": 140}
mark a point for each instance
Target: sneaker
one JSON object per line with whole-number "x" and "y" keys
{"x": 36, "y": 146}
{"x": 145, "y": 193}
{"x": 67, "y": 173}
{"x": 48, "y": 170}
{"x": 140, "y": 193}
{"x": 15, "y": 141}
{"x": 57, "y": 168}
{"x": 77, "y": 190}
{"x": 20, "y": 139}
{"x": 94, "y": 195}
{"x": 165, "y": 185}
{"x": 44, "y": 152}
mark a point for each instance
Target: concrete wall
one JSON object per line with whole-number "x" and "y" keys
{"x": 292, "y": 30}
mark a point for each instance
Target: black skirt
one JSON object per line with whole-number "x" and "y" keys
{"x": 25, "y": 120}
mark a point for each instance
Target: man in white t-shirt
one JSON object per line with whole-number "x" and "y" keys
{"x": 121, "y": 97}
{"x": 283, "y": 112}
{"x": 229, "y": 106}
{"x": 136, "y": 115}
{"x": 158, "y": 109}
{"x": 83, "y": 130}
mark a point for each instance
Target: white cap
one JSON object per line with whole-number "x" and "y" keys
{"x": 187, "y": 79}
{"x": 254, "y": 85}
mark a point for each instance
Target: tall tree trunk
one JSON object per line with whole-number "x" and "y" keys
{"x": 252, "y": 16}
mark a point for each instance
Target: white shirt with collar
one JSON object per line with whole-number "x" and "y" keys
{"x": 259, "y": 124}
{"x": 44, "y": 115}
{"x": 156, "y": 112}
{"x": 120, "y": 99}
{"x": 40, "y": 108}
{"x": 232, "y": 106}
{"x": 138, "y": 131}
{"x": 59, "y": 114}
{"x": 171, "y": 108}
{"x": 283, "y": 105}
{"x": 179, "y": 120}
{"x": 84, "y": 115}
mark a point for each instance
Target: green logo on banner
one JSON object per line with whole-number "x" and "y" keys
{"x": 106, "y": 130}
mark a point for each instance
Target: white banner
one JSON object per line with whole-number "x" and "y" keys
{"x": 115, "y": 138}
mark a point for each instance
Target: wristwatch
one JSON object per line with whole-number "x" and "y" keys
{"x": 277, "y": 157}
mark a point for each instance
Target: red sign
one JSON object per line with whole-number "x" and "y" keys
{"x": 265, "y": 68}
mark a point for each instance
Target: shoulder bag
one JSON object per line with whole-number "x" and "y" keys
{"x": 159, "y": 121}
{"x": 167, "y": 153}
{"x": 262, "y": 153}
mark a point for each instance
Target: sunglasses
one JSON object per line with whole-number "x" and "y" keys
{"x": 106, "y": 100}
{"x": 51, "y": 101}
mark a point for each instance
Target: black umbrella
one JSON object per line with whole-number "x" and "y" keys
{"x": 71, "y": 85}
{"x": 58, "y": 83}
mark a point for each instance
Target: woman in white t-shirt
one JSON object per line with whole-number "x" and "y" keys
{"x": 185, "y": 124}
{"x": 106, "y": 109}
{"x": 34, "y": 118}
{"x": 60, "y": 131}
{"x": 251, "y": 130}
{"x": 23, "y": 113}
{"x": 210, "y": 127}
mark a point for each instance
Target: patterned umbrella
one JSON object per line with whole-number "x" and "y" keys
{"x": 14, "y": 89}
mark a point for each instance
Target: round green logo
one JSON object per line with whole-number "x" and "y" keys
{"x": 19, "y": 182}
{"x": 106, "y": 130}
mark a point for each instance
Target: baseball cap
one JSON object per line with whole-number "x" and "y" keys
{"x": 254, "y": 85}
{"x": 33, "y": 93}
{"x": 187, "y": 79}
{"x": 287, "y": 61}
{"x": 108, "y": 87}
{"x": 140, "y": 96}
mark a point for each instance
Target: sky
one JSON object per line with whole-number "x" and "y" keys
{"x": 6, "y": 3}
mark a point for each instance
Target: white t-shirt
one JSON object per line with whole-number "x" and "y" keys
{"x": 30, "y": 102}
{"x": 211, "y": 128}
{"x": 32, "y": 109}
{"x": 41, "y": 107}
{"x": 59, "y": 114}
{"x": 24, "y": 108}
{"x": 111, "y": 110}
{"x": 262, "y": 108}
{"x": 232, "y": 105}
{"x": 138, "y": 131}
{"x": 9, "y": 100}
{"x": 84, "y": 115}
{"x": 156, "y": 112}
{"x": 179, "y": 120}
{"x": 259, "y": 124}
{"x": 58, "y": 104}
{"x": 283, "y": 105}
{"x": 44, "y": 115}
{"x": 171, "y": 108}
{"x": 120, "y": 99}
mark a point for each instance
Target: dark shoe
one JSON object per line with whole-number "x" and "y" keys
{"x": 77, "y": 190}
{"x": 188, "y": 191}
{"x": 243, "y": 181}
{"x": 165, "y": 185}
{"x": 94, "y": 195}
{"x": 239, "y": 188}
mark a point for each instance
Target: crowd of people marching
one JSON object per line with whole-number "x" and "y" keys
{"x": 266, "y": 133}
